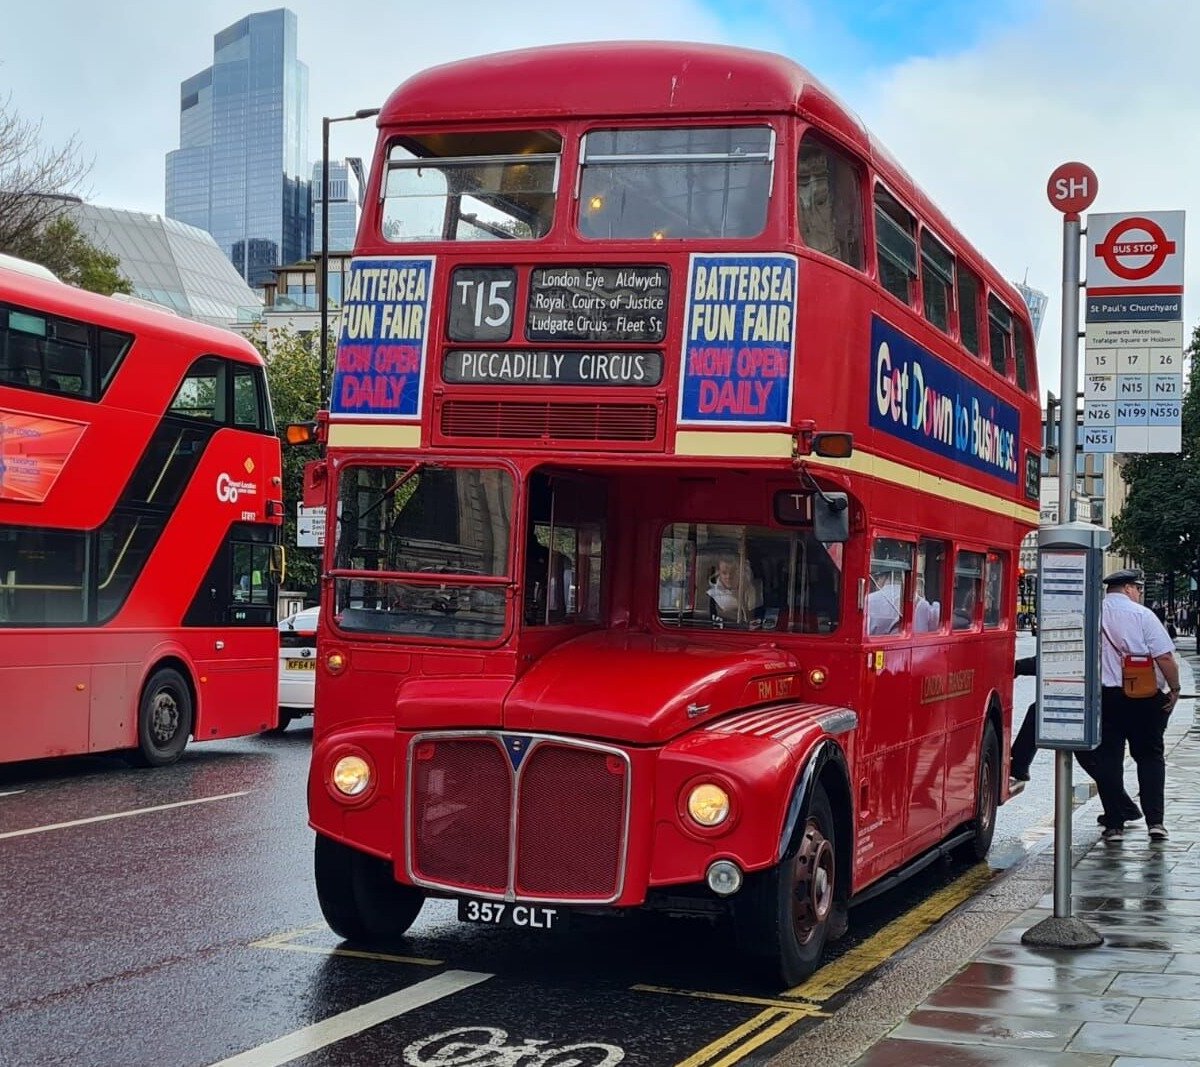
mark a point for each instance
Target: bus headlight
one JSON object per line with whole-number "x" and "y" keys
{"x": 351, "y": 776}
{"x": 708, "y": 804}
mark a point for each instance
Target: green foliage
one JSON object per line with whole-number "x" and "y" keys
{"x": 61, "y": 247}
{"x": 1159, "y": 524}
{"x": 293, "y": 377}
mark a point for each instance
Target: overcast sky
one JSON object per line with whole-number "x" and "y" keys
{"x": 978, "y": 99}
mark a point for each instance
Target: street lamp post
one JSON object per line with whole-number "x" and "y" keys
{"x": 362, "y": 113}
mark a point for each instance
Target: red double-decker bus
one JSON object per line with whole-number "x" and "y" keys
{"x": 140, "y": 508}
{"x": 678, "y": 454}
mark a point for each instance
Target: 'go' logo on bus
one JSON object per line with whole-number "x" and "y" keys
{"x": 228, "y": 491}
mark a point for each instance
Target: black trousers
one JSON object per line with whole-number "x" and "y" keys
{"x": 1024, "y": 748}
{"x": 1140, "y": 722}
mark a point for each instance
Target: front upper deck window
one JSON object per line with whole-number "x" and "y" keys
{"x": 416, "y": 538}
{"x": 688, "y": 181}
{"x": 495, "y": 186}
{"x": 732, "y": 577}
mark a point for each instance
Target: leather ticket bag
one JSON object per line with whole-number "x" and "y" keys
{"x": 1137, "y": 676}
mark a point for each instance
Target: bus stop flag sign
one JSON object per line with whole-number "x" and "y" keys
{"x": 1072, "y": 188}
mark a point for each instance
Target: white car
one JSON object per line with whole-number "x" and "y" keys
{"x": 297, "y": 665}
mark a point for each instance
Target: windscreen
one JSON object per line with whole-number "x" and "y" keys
{"x": 436, "y": 527}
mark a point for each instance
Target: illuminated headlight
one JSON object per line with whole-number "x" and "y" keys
{"x": 724, "y": 878}
{"x": 708, "y": 804}
{"x": 351, "y": 776}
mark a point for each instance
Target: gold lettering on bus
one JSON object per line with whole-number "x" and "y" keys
{"x": 947, "y": 686}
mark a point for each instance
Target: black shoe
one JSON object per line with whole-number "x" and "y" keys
{"x": 1021, "y": 774}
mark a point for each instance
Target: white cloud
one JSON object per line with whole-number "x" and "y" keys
{"x": 1100, "y": 81}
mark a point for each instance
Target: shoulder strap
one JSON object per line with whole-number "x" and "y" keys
{"x": 1104, "y": 630}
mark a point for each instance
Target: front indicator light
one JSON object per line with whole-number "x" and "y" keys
{"x": 351, "y": 776}
{"x": 708, "y": 804}
{"x": 335, "y": 662}
{"x": 817, "y": 677}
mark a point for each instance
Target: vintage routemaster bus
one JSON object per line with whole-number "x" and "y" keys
{"x": 678, "y": 454}
{"x": 140, "y": 505}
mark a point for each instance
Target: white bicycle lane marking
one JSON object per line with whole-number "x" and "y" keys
{"x": 346, "y": 1024}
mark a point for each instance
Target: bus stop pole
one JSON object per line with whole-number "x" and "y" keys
{"x": 1067, "y": 442}
{"x": 1062, "y": 930}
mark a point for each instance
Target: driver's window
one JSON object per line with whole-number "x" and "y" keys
{"x": 888, "y": 586}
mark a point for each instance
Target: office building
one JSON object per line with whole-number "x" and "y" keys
{"x": 241, "y": 169}
{"x": 168, "y": 262}
{"x": 345, "y": 203}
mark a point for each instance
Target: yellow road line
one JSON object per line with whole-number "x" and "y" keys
{"x": 699, "y": 994}
{"x": 289, "y": 935}
{"x": 785, "y": 1022}
{"x": 864, "y": 958}
{"x": 353, "y": 953}
{"x": 748, "y": 1030}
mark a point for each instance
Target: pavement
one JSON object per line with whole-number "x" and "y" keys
{"x": 1133, "y": 1001}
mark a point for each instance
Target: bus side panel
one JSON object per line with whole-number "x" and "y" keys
{"x": 238, "y": 683}
{"x": 45, "y": 708}
{"x": 114, "y": 701}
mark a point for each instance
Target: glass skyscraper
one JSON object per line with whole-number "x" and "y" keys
{"x": 345, "y": 201}
{"x": 241, "y": 169}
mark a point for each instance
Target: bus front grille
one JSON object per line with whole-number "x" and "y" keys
{"x": 565, "y": 840}
{"x": 607, "y": 423}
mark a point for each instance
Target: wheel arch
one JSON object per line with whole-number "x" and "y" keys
{"x": 827, "y": 767}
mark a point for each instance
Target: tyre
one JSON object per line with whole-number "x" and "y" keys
{"x": 285, "y": 718}
{"x": 986, "y": 794}
{"x": 786, "y": 916}
{"x": 164, "y": 719}
{"x": 359, "y": 898}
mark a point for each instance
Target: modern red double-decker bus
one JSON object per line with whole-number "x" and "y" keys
{"x": 140, "y": 508}
{"x": 678, "y": 454}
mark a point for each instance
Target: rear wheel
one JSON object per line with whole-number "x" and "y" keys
{"x": 790, "y": 911}
{"x": 283, "y": 721}
{"x": 359, "y": 898}
{"x": 164, "y": 719}
{"x": 986, "y": 796}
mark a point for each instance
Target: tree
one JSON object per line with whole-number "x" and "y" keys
{"x": 37, "y": 182}
{"x": 1159, "y": 524}
{"x": 77, "y": 261}
{"x": 294, "y": 381}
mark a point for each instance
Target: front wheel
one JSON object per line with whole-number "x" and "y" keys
{"x": 359, "y": 898}
{"x": 787, "y": 915}
{"x": 164, "y": 719}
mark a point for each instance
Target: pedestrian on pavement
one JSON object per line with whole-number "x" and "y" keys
{"x": 1024, "y": 748}
{"x": 1128, "y": 628}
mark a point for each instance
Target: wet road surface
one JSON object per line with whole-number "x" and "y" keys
{"x": 169, "y": 918}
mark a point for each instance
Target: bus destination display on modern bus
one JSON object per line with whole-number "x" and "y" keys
{"x": 738, "y": 340}
{"x": 385, "y": 325}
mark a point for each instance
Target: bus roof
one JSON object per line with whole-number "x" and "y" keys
{"x": 618, "y": 78}
{"x": 25, "y": 266}
{"x": 648, "y": 79}
{"x": 72, "y": 303}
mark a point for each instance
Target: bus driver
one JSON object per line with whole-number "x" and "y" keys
{"x": 732, "y": 593}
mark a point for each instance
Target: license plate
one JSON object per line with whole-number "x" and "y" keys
{"x": 301, "y": 664}
{"x": 523, "y": 916}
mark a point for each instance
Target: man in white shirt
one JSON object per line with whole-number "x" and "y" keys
{"x": 884, "y": 602}
{"x": 1130, "y": 628}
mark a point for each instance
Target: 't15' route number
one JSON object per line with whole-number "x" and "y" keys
{"x": 481, "y": 303}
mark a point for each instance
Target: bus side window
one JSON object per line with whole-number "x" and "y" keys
{"x": 968, "y": 310}
{"x": 929, "y": 588}
{"x": 937, "y": 281}
{"x": 201, "y": 394}
{"x": 896, "y": 246}
{"x": 829, "y": 201}
{"x": 993, "y": 589}
{"x": 887, "y": 586}
{"x": 1000, "y": 336}
{"x": 968, "y": 585}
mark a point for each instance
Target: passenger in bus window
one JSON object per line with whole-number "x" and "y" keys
{"x": 884, "y": 601}
{"x": 547, "y": 575}
{"x": 733, "y": 593}
{"x": 927, "y": 616}
{"x": 964, "y": 603}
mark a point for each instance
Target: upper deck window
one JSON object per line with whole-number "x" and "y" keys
{"x": 968, "y": 309}
{"x": 496, "y": 186}
{"x": 1000, "y": 335}
{"x": 56, "y": 355}
{"x": 937, "y": 281}
{"x": 896, "y": 244}
{"x": 829, "y": 200}
{"x": 688, "y": 181}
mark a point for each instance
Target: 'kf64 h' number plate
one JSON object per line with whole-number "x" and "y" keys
{"x": 498, "y": 913}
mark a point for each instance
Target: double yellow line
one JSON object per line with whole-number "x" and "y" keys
{"x": 807, "y": 1000}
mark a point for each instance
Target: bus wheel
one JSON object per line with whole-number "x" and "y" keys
{"x": 359, "y": 898}
{"x": 987, "y": 791}
{"x": 164, "y": 719}
{"x": 787, "y": 916}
